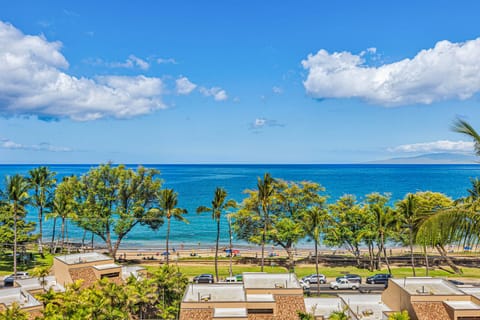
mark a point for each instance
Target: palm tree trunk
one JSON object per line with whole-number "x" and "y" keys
{"x": 386, "y": 260}
{"x": 168, "y": 235}
{"x": 371, "y": 256}
{"x": 62, "y": 231}
{"x": 385, "y": 253}
{"x": 66, "y": 235}
{"x": 316, "y": 266}
{"x": 231, "y": 248}
{"x": 40, "y": 238}
{"x": 447, "y": 259}
{"x": 14, "y": 241}
{"x": 427, "y": 266}
{"x": 83, "y": 238}
{"x": 263, "y": 246}
{"x": 52, "y": 246}
{"x": 411, "y": 251}
{"x": 216, "y": 248}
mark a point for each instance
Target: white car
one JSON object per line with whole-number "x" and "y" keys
{"x": 314, "y": 279}
{"x": 343, "y": 283}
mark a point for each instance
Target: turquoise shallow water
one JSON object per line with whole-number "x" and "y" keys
{"x": 196, "y": 183}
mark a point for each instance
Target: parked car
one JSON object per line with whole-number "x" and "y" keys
{"x": 352, "y": 277}
{"x": 314, "y": 279}
{"x": 343, "y": 283}
{"x": 204, "y": 278}
{"x": 456, "y": 282}
{"x": 379, "y": 278}
{"x": 235, "y": 278}
{"x": 304, "y": 285}
{"x": 9, "y": 280}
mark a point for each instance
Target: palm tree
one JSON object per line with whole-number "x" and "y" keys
{"x": 403, "y": 315}
{"x": 42, "y": 181}
{"x": 409, "y": 218}
{"x": 461, "y": 126}
{"x": 42, "y": 273}
{"x": 219, "y": 205}
{"x": 383, "y": 220}
{"x": 266, "y": 192}
{"x": 458, "y": 223}
{"x": 17, "y": 197}
{"x": 63, "y": 207}
{"x": 339, "y": 315}
{"x": 316, "y": 218}
{"x": 14, "y": 312}
{"x": 168, "y": 200}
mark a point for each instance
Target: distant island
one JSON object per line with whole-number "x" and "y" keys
{"x": 432, "y": 158}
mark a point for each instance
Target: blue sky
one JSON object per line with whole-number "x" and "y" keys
{"x": 235, "y": 81}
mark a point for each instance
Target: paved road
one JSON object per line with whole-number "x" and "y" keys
{"x": 364, "y": 288}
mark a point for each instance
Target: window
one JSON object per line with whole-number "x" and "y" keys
{"x": 110, "y": 275}
{"x": 260, "y": 311}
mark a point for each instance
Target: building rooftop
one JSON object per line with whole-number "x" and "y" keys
{"x": 214, "y": 293}
{"x": 18, "y": 295}
{"x": 323, "y": 306}
{"x": 82, "y": 258}
{"x": 128, "y": 271}
{"x": 462, "y": 305}
{"x": 36, "y": 284}
{"x": 261, "y": 280}
{"x": 260, "y": 298}
{"x": 107, "y": 266}
{"x": 230, "y": 313}
{"x": 427, "y": 286}
{"x": 366, "y": 307}
{"x": 473, "y": 291}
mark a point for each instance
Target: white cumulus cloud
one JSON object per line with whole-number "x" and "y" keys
{"x": 44, "y": 146}
{"x": 217, "y": 93}
{"x": 436, "y": 146}
{"x": 34, "y": 81}
{"x": 261, "y": 123}
{"x": 446, "y": 71}
{"x": 277, "y": 90}
{"x": 184, "y": 86}
{"x": 166, "y": 61}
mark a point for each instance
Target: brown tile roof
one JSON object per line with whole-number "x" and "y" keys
{"x": 430, "y": 311}
{"x": 86, "y": 274}
{"x": 288, "y": 306}
{"x": 260, "y": 317}
{"x": 196, "y": 314}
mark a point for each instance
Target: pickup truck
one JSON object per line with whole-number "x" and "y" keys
{"x": 343, "y": 283}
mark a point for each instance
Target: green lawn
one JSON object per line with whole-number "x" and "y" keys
{"x": 6, "y": 263}
{"x": 329, "y": 272}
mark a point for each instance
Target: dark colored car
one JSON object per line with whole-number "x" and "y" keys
{"x": 314, "y": 279}
{"x": 456, "y": 282}
{"x": 353, "y": 277}
{"x": 9, "y": 280}
{"x": 203, "y": 278}
{"x": 379, "y": 278}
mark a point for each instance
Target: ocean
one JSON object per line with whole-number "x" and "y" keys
{"x": 195, "y": 185}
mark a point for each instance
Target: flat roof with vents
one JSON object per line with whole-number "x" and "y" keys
{"x": 36, "y": 284}
{"x": 427, "y": 286}
{"x": 462, "y": 305}
{"x": 214, "y": 293}
{"x": 323, "y": 306}
{"x": 107, "y": 266}
{"x": 365, "y": 307}
{"x": 18, "y": 295}
{"x": 262, "y": 280}
{"x": 80, "y": 258}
